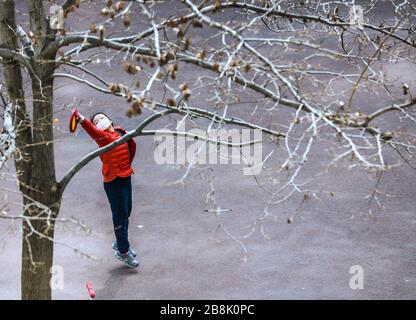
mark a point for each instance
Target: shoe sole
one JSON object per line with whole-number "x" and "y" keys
{"x": 128, "y": 265}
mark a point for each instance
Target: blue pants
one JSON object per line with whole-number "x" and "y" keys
{"x": 119, "y": 195}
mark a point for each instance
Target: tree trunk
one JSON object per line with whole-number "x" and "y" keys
{"x": 34, "y": 159}
{"x": 37, "y": 257}
{"x": 42, "y": 201}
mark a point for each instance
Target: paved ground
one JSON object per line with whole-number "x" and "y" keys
{"x": 184, "y": 255}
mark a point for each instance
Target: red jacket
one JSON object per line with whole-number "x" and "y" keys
{"x": 117, "y": 161}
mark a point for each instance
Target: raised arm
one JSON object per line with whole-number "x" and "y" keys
{"x": 98, "y": 135}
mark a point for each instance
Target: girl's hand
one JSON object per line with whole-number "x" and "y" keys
{"x": 79, "y": 117}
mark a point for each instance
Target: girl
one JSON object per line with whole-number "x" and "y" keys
{"x": 117, "y": 173}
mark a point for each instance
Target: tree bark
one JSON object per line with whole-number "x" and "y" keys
{"x": 13, "y": 80}
{"x": 34, "y": 159}
{"x": 37, "y": 246}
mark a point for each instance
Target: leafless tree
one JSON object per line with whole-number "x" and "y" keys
{"x": 301, "y": 63}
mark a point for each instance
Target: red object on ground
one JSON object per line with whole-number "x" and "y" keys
{"x": 90, "y": 290}
{"x": 73, "y": 121}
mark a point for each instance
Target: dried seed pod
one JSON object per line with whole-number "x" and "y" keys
{"x": 129, "y": 113}
{"x": 186, "y": 93}
{"x": 171, "y": 102}
{"x": 170, "y": 55}
{"x": 114, "y": 88}
{"x": 112, "y": 14}
{"x": 234, "y": 63}
{"x": 119, "y": 6}
{"x": 137, "y": 84}
{"x": 131, "y": 68}
{"x": 182, "y": 19}
{"x": 163, "y": 59}
{"x": 179, "y": 32}
{"x": 159, "y": 75}
{"x": 183, "y": 86}
{"x": 197, "y": 23}
{"x": 172, "y": 23}
{"x": 129, "y": 96}
{"x": 137, "y": 106}
{"x": 152, "y": 64}
{"x": 201, "y": 55}
{"x": 127, "y": 20}
{"x": 187, "y": 42}
{"x": 105, "y": 11}
{"x": 217, "y": 5}
{"x": 167, "y": 56}
{"x": 93, "y": 28}
{"x": 109, "y": 3}
{"x": 247, "y": 68}
{"x": 172, "y": 67}
{"x": 216, "y": 67}
{"x": 108, "y": 12}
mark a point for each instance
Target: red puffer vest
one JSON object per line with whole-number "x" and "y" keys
{"x": 117, "y": 161}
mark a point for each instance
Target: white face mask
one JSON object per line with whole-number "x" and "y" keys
{"x": 104, "y": 123}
